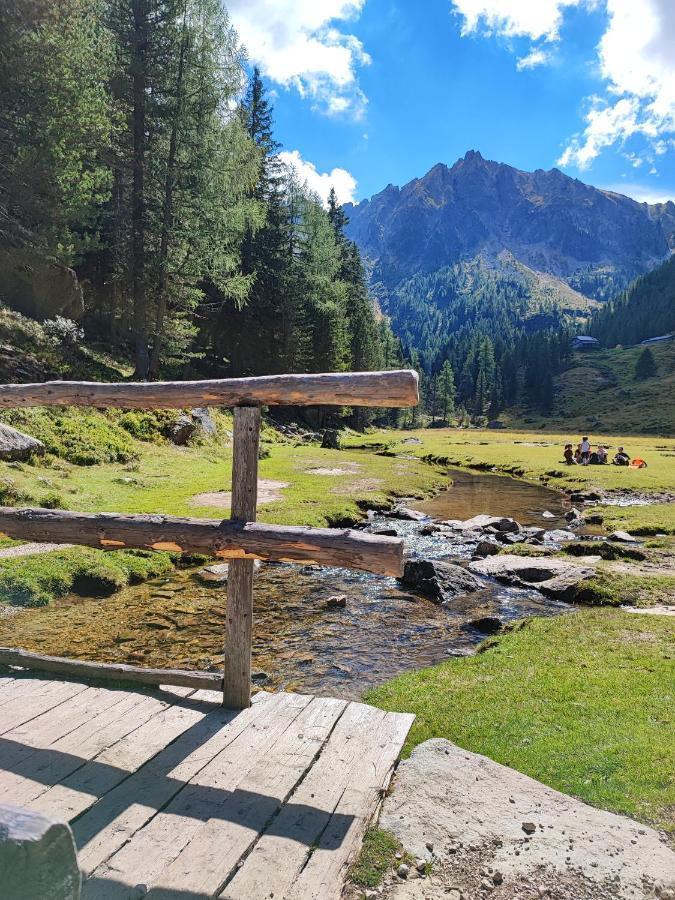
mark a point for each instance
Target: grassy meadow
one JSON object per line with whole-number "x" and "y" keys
{"x": 582, "y": 702}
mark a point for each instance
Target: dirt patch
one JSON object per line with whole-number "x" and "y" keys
{"x": 360, "y": 486}
{"x": 346, "y": 469}
{"x": 268, "y": 492}
{"x": 651, "y": 610}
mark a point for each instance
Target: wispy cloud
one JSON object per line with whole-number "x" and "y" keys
{"x": 302, "y": 44}
{"x": 643, "y": 193}
{"x": 536, "y": 57}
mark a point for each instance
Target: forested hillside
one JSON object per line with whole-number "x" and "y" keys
{"x": 141, "y": 195}
{"x": 645, "y": 310}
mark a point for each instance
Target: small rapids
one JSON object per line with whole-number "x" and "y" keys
{"x": 299, "y": 642}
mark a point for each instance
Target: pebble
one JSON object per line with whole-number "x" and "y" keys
{"x": 403, "y": 871}
{"x": 486, "y": 885}
{"x": 529, "y": 827}
{"x": 497, "y": 878}
{"x": 421, "y": 866}
{"x": 430, "y": 846}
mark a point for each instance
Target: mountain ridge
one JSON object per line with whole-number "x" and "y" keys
{"x": 588, "y": 237}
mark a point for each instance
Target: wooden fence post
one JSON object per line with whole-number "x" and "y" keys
{"x": 237, "y": 668}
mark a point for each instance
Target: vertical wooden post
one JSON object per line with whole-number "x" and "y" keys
{"x": 237, "y": 669}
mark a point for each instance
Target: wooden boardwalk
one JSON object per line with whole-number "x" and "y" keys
{"x": 171, "y": 796}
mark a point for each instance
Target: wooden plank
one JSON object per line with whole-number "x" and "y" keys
{"x": 225, "y": 838}
{"x": 226, "y": 539}
{"x": 24, "y": 708}
{"x": 116, "y": 671}
{"x": 239, "y": 624}
{"x": 21, "y": 687}
{"x": 103, "y": 829}
{"x": 150, "y": 850}
{"x": 284, "y": 848}
{"x": 324, "y": 873}
{"x": 157, "y": 723}
{"x": 53, "y": 725}
{"x": 387, "y": 389}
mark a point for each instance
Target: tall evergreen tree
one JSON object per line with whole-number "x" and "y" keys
{"x": 645, "y": 367}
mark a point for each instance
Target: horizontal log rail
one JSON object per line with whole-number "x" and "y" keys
{"x": 378, "y": 389}
{"x": 227, "y": 539}
{"x": 59, "y": 665}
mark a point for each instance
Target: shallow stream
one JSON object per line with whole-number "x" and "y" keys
{"x": 300, "y": 643}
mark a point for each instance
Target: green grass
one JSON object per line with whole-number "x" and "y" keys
{"x": 536, "y": 456}
{"x": 377, "y": 856}
{"x": 610, "y": 588}
{"x": 599, "y": 392}
{"x": 37, "y": 580}
{"x": 582, "y": 702}
{"x": 163, "y": 478}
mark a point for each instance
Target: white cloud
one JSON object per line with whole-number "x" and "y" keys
{"x": 536, "y": 57}
{"x": 534, "y": 19}
{"x": 635, "y": 59}
{"x": 643, "y": 193}
{"x": 297, "y": 44}
{"x": 636, "y": 56}
{"x": 321, "y": 182}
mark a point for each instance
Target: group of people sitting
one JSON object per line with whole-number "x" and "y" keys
{"x": 584, "y": 455}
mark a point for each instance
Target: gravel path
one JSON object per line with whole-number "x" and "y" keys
{"x": 29, "y": 549}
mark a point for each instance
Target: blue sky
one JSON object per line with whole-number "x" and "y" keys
{"x": 368, "y": 92}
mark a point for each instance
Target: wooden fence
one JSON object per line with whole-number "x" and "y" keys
{"x": 240, "y": 540}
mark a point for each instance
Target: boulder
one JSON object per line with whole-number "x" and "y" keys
{"x": 439, "y": 581}
{"x": 331, "y": 439}
{"x": 203, "y": 420}
{"x": 404, "y": 512}
{"x": 217, "y": 574}
{"x": 339, "y": 601}
{"x": 593, "y": 518}
{"x": 181, "y": 430}
{"x": 15, "y": 445}
{"x": 572, "y": 515}
{"x": 486, "y": 624}
{"x": 552, "y": 576}
{"x": 411, "y": 440}
{"x": 622, "y": 537}
{"x": 485, "y": 522}
{"x": 39, "y": 287}
{"x": 559, "y": 536}
{"x": 458, "y": 801}
{"x": 486, "y": 548}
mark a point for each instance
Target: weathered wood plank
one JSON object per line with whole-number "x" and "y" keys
{"x": 104, "y": 828}
{"x": 226, "y": 539}
{"x": 217, "y": 846}
{"x": 157, "y": 722}
{"x": 326, "y": 869}
{"x": 158, "y": 843}
{"x": 386, "y": 389}
{"x": 53, "y": 725}
{"x": 239, "y": 623}
{"x": 21, "y": 687}
{"x": 77, "y": 668}
{"x": 283, "y": 849}
{"x": 24, "y": 708}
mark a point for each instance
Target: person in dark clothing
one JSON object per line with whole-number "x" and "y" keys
{"x": 621, "y": 458}
{"x": 568, "y": 455}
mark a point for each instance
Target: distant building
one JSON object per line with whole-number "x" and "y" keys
{"x": 584, "y": 342}
{"x": 658, "y": 340}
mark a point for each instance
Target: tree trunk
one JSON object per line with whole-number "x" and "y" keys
{"x": 167, "y": 210}
{"x": 139, "y": 55}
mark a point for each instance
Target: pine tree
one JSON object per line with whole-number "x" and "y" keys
{"x": 447, "y": 388}
{"x": 645, "y": 367}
